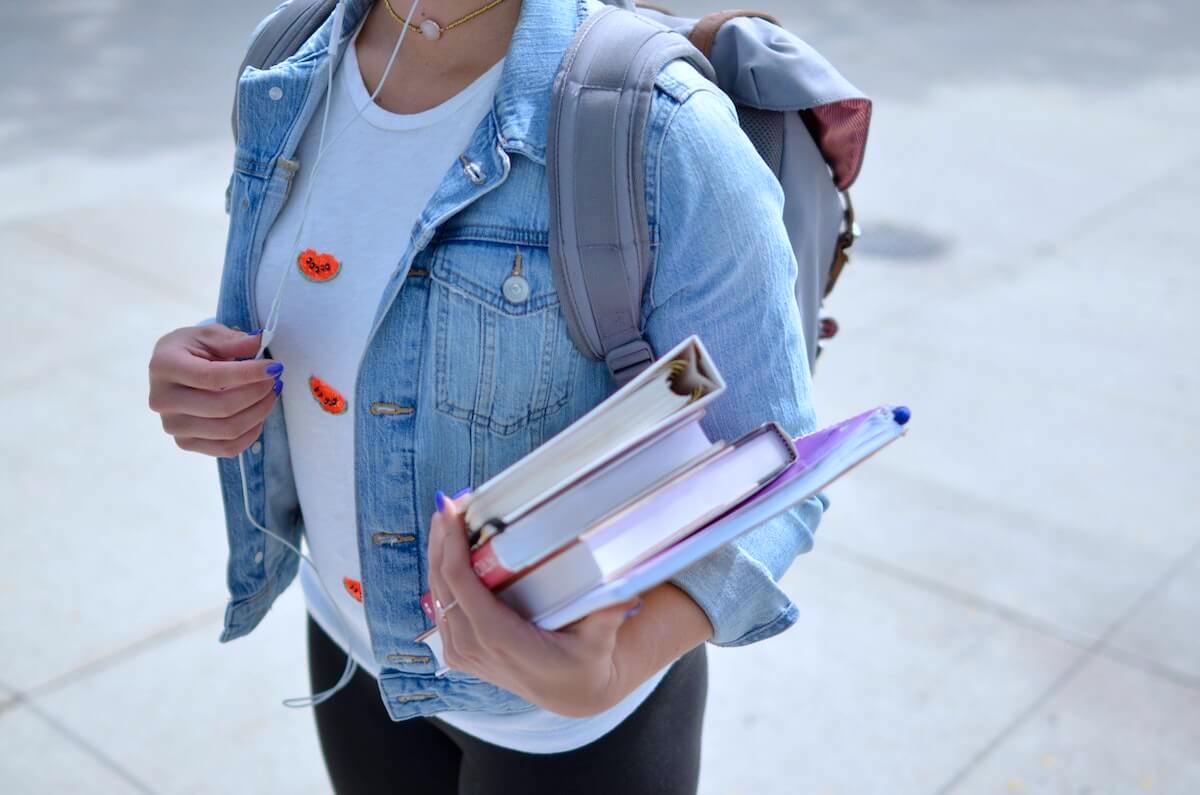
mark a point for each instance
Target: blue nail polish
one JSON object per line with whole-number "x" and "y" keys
{"x": 461, "y": 492}
{"x": 274, "y": 368}
{"x": 254, "y": 333}
{"x": 440, "y": 499}
{"x": 633, "y": 611}
{"x": 901, "y": 415}
{"x": 278, "y": 387}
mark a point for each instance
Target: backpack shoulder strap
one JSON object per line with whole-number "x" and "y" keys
{"x": 280, "y": 35}
{"x": 599, "y": 230}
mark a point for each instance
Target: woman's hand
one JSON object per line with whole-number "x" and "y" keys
{"x": 574, "y": 671}
{"x": 208, "y": 400}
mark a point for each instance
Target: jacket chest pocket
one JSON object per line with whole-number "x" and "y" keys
{"x": 502, "y": 355}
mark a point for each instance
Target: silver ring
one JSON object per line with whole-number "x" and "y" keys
{"x": 442, "y": 611}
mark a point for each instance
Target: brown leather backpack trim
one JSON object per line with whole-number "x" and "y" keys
{"x": 841, "y": 252}
{"x": 704, "y": 35}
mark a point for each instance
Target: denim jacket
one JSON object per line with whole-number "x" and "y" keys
{"x": 479, "y": 380}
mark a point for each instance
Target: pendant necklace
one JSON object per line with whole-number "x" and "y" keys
{"x": 432, "y": 30}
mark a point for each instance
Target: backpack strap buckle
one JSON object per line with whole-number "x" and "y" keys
{"x": 626, "y": 361}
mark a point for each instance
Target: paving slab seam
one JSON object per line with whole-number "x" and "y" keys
{"x": 1094, "y": 218}
{"x": 964, "y": 598}
{"x": 83, "y": 745}
{"x": 1002, "y": 267}
{"x": 886, "y": 327}
{"x": 8, "y": 698}
{"x": 1072, "y": 670}
{"x": 144, "y": 644}
{"x": 1154, "y": 667}
{"x": 38, "y": 377}
{"x": 1011, "y": 615}
{"x": 1084, "y": 224}
{"x": 983, "y": 504}
{"x": 83, "y": 255}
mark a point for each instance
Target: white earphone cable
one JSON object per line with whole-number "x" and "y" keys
{"x": 322, "y": 148}
{"x": 269, "y": 327}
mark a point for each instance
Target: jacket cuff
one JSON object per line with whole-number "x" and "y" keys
{"x": 742, "y": 601}
{"x": 737, "y": 586}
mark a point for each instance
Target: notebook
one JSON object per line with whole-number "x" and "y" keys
{"x": 651, "y": 523}
{"x": 671, "y": 391}
{"x": 552, "y": 525}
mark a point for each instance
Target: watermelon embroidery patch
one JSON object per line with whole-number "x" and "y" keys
{"x": 354, "y": 588}
{"x": 317, "y": 266}
{"x": 330, "y": 399}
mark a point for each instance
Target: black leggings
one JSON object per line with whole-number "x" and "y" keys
{"x": 655, "y": 751}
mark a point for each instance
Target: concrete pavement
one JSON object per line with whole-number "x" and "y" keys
{"x": 1006, "y": 602}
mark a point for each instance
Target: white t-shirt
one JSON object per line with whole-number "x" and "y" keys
{"x": 371, "y": 189}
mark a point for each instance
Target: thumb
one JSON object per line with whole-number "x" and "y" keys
{"x": 222, "y": 342}
{"x": 601, "y": 627}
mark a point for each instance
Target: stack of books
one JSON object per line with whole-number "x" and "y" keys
{"x": 635, "y": 491}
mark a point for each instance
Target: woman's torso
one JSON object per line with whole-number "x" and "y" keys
{"x": 352, "y": 215}
{"x": 459, "y": 378}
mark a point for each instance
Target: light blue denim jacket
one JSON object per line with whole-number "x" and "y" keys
{"x": 489, "y": 380}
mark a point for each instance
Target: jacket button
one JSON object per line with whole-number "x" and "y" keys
{"x": 383, "y": 408}
{"x": 516, "y": 289}
{"x": 258, "y": 556}
{"x": 398, "y": 658}
{"x": 383, "y": 539}
{"x": 474, "y": 173}
{"x": 276, "y": 93}
{"x": 256, "y": 448}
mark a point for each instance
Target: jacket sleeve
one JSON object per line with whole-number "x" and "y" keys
{"x": 724, "y": 270}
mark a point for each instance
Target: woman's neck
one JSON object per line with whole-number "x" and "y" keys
{"x": 428, "y": 72}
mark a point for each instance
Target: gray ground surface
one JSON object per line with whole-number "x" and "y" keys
{"x": 1007, "y": 602}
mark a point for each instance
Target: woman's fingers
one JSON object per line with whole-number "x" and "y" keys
{"x": 178, "y": 365}
{"x": 223, "y": 428}
{"x": 442, "y": 595}
{"x": 492, "y": 621}
{"x": 186, "y": 400}
{"x": 210, "y": 398}
{"x": 226, "y": 449}
{"x": 217, "y": 341}
{"x": 212, "y": 357}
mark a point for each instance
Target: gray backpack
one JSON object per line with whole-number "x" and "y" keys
{"x": 806, "y": 121}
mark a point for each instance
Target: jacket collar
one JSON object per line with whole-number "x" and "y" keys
{"x": 543, "y": 33}
{"x": 522, "y": 105}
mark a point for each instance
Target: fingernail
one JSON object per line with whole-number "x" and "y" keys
{"x": 278, "y": 386}
{"x": 254, "y": 333}
{"x": 440, "y": 499}
{"x": 274, "y": 368}
{"x": 461, "y": 492}
{"x": 633, "y": 611}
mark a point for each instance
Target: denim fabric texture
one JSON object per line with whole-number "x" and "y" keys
{"x": 487, "y": 379}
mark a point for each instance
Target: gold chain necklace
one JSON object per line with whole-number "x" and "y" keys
{"x": 432, "y": 30}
